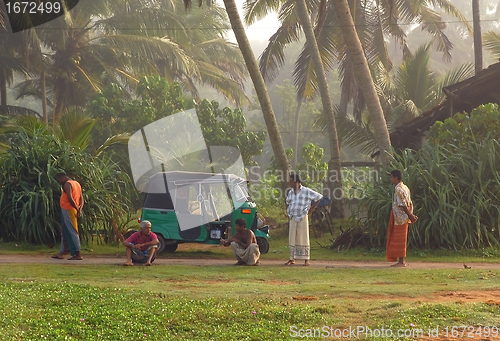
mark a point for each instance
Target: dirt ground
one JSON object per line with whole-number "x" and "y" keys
{"x": 119, "y": 260}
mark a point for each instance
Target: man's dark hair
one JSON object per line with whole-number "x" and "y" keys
{"x": 295, "y": 177}
{"x": 241, "y": 222}
{"x": 60, "y": 175}
{"x": 397, "y": 174}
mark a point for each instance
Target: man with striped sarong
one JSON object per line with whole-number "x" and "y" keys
{"x": 401, "y": 215}
{"x": 71, "y": 203}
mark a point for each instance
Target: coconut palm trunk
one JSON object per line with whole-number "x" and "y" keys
{"x": 3, "y": 87}
{"x": 364, "y": 79}
{"x": 334, "y": 177}
{"x": 478, "y": 43}
{"x": 260, "y": 86}
{"x": 44, "y": 98}
{"x": 59, "y": 103}
{"x": 297, "y": 132}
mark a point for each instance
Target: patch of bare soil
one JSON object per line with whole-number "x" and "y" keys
{"x": 471, "y": 337}
{"x": 475, "y": 333}
{"x": 484, "y": 296}
{"x": 271, "y": 282}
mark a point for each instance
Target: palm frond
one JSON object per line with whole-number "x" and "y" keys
{"x": 401, "y": 114}
{"x": 27, "y": 124}
{"x": 14, "y": 63}
{"x": 121, "y": 139}
{"x": 257, "y": 9}
{"x": 214, "y": 77}
{"x": 453, "y": 76}
{"x": 414, "y": 79}
{"x": 356, "y": 135}
{"x": 434, "y": 24}
{"x": 75, "y": 127}
{"x": 492, "y": 43}
{"x": 11, "y": 110}
{"x": 152, "y": 48}
{"x": 450, "y": 9}
{"x": 273, "y": 57}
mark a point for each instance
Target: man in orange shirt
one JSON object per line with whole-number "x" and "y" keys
{"x": 71, "y": 208}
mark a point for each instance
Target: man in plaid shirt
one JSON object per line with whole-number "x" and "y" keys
{"x": 298, "y": 205}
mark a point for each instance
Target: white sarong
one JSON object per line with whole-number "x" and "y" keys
{"x": 249, "y": 256}
{"x": 299, "y": 239}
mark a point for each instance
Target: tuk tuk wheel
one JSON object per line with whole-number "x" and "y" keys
{"x": 127, "y": 234}
{"x": 166, "y": 245}
{"x": 263, "y": 245}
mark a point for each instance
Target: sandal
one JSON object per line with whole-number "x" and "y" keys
{"x": 57, "y": 257}
{"x": 290, "y": 262}
{"x": 75, "y": 258}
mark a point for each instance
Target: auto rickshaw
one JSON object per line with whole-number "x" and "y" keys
{"x": 191, "y": 207}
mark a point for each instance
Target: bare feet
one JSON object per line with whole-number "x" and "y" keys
{"x": 128, "y": 264}
{"x": 290, "y": 262}
{"x": 257, "y": 263}
{"x": 147, "y": 264}
{"x": 306, "y": 263}
{"x": 398, "y": 265}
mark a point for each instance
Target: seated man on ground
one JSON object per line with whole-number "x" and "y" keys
{"x": 244, "y": 245}
{"x": 141, "y": 246}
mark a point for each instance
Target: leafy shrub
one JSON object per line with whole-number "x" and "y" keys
{"x": 483, "y": 123}
{"x": 455, "y": 192}
{"x": 29, "y": 194}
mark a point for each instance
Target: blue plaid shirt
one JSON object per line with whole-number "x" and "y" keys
{"x": 300, "y": 203}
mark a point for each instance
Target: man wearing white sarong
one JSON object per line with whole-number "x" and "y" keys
{"x": 298, "y": 205}
{"x": 244, "y": 245}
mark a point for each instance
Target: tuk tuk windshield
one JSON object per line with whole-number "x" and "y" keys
{"x": 240, "y": 193}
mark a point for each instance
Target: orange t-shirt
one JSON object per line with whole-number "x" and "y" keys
{"x": 76, "y": 192}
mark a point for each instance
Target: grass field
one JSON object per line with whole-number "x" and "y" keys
{"x": 107, "y": 302}
{"x": 92, "y": 302}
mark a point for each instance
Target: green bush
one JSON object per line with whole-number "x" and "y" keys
{"x": 29, "y": 194}
{"x": 455, "y": 193}
{"x": 455, "y": 184}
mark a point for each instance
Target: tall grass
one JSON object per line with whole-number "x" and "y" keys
{"x": 455, "y": 191}
{"x": 29, "y": 194}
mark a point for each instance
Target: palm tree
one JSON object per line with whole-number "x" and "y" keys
{"x": 374, "y": 21}
{"x": 258, "y": 82}
{"x": 478, "y": 44}
{"x": 20, "y": 54}
{"x": 95, "y": 44}
{"x": 334, "y": 164}
{"x": 412, "y": 90}
{"x": 12, "y": 49}
{"x": 200, "y": 34}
